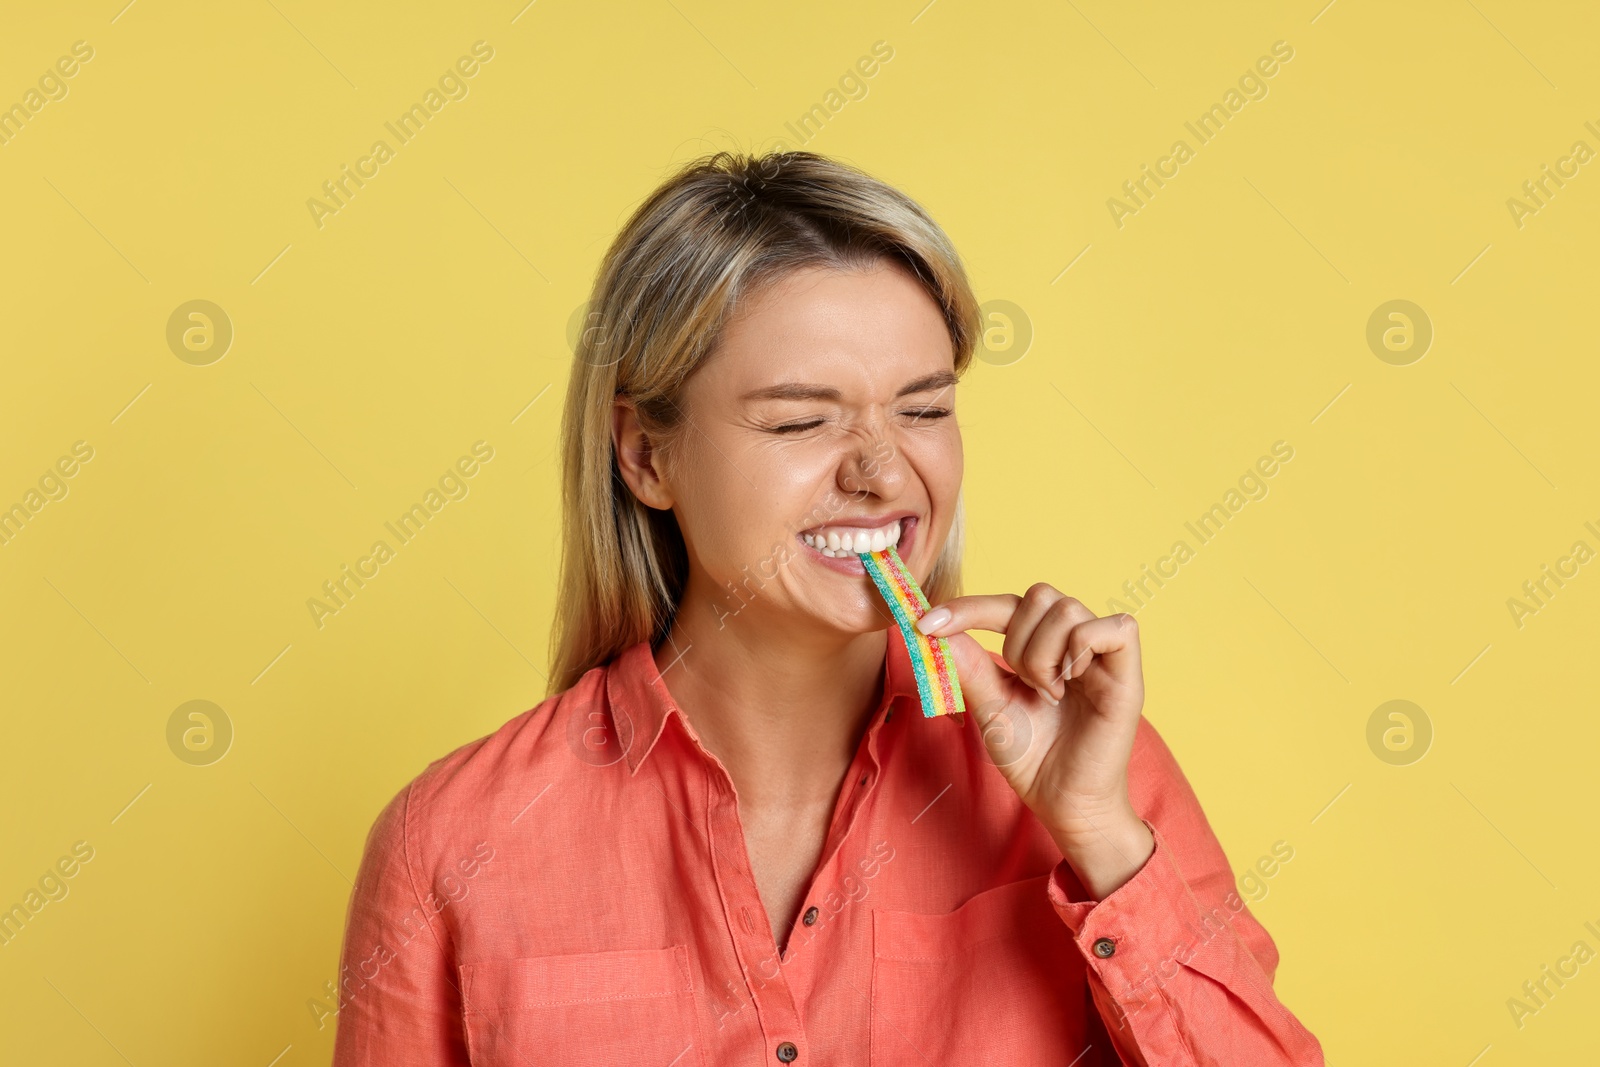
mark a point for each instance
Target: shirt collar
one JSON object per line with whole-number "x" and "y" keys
{"x": 640, "y": 702}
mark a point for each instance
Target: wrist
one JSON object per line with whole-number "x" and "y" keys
{"x": 1105, "y": 852}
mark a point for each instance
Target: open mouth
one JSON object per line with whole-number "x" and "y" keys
{"x": 841, "y": 542}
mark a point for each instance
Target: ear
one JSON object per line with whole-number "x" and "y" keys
{"x": 637, "y": 459}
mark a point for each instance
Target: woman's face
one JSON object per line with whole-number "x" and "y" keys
{"x": 827, "y": 412}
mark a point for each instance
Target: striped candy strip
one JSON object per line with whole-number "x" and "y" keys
{"x": 931, "y": 660}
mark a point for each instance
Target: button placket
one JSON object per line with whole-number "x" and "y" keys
{"x": 852, "y": 798}
{"x": 866, "y": 768}
{"x": 756, "y": 953}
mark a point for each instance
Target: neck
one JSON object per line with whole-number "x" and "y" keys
{"x": 781, "y": 703}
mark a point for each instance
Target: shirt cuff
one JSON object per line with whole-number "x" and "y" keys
{"x": 1139, "y": 936}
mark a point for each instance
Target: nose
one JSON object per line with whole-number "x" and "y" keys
{"x": 873, "y": 466}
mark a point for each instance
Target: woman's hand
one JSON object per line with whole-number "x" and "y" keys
{"x": 1061, "y": 729}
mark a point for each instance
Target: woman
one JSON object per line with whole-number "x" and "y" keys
{"x": 730, "y": 835}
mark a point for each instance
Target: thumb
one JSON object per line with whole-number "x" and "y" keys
{"x": 984, "y": 686}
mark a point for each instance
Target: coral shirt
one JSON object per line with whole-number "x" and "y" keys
{"x": 575, "y": 889}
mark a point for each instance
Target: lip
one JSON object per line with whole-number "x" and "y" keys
{"x": 852, "y": 564}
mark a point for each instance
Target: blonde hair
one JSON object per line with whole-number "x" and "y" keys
{"x": 705, "y": 241}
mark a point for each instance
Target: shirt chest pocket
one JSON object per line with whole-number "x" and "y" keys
{"x": 625, "y": 1006}
{"x": 998, "y": 980}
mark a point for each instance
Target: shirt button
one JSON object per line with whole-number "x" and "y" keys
{"x": 811, "y": 916}
{"x": 1104, "y": 947}
{"x": 787, "y": 1052}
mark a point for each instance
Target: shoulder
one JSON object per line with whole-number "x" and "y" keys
{"x": 486, "y": 784}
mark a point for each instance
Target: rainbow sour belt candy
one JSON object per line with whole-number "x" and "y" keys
{"x": 931, "y": 661}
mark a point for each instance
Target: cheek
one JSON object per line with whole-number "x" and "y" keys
{"x": 718, "y": 524}
{"x": 739, "y": 511}
{"x": 957, "y": 466}
{"x": 940, "y": 467}
{"x": 939, "y": 462}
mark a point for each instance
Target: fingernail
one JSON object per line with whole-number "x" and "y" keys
{"x": 1046, "y": 697}
{"x": 934, "y": 619}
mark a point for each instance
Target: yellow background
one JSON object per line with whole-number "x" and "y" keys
{"x": 1229, "y": 313}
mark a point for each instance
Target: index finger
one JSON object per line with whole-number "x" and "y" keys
{"x": 980, "y": 611}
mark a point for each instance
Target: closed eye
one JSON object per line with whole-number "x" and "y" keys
{"x": 797, "y": 427}
{"x": 917, "y": 414}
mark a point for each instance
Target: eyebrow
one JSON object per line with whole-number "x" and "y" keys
{"x": 804, "y": 391}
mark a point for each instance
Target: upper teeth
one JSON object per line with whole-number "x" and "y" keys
{"x": 849, "y": 540}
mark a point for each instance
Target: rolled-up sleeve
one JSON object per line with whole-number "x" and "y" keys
{"x": 1179, "y": 970}
{"x": 399, "y": 1005}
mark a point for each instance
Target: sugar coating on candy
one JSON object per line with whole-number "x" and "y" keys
{"x": 931, "y": 661}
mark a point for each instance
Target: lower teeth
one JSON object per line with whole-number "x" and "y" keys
{"x": 845, "y": 553}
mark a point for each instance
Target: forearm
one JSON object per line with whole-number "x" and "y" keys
{"x": 1176, "y": 978}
